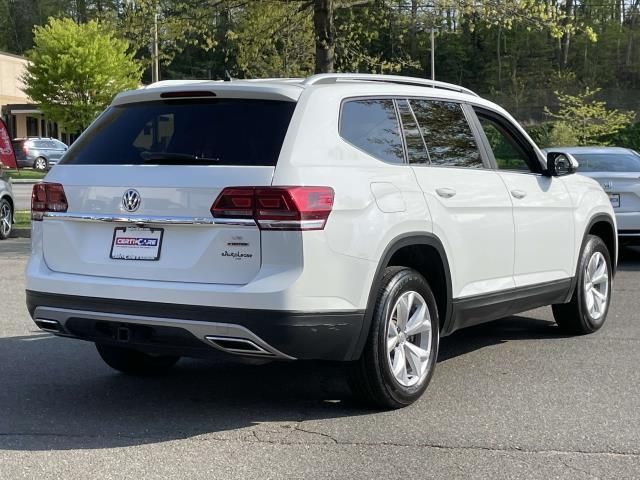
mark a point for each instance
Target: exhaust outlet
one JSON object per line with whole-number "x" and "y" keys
{"x": 48, "y": 325}
{"x": 238, "y": 346}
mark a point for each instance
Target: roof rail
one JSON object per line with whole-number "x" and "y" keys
{"x": 324, "y": 78}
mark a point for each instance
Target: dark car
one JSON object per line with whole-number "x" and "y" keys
{"x": 38, "y": 153}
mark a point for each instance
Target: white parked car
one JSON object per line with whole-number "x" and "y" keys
{"x": 7, "y": 203}
{"x": 618, "y": 171}
{"x": 342, "y": 217}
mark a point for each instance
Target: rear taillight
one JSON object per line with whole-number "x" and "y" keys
{"x": 277, "y": 208}
{"x": 47, "y": 197}
{"x": 25, "y": 149}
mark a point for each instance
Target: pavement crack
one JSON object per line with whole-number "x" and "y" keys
{"x": 312, "y": 432}
{"x": 255, "y": 437}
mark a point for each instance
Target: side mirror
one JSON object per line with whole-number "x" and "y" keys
{"x": 560, "y": 164}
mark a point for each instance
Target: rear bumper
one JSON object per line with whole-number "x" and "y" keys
{"x": 627, "y": 221}
{"x": 192, "y": 330}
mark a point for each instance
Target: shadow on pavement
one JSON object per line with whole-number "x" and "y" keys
{"x": 629, "y": 259}
{"x": 497, "y": 332}
{"x": 57, "y": 393}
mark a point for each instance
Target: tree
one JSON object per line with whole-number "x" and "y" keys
{"x": 76, "y": 70}
{"x": 274, "y": 39}
{"x": 590, "y": 119}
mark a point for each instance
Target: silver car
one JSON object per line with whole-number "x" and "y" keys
{"x": 618, "y": 171}
{"x": 6, "y": 206}
{"x": 38, "y": 153}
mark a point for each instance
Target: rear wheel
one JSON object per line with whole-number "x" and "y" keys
{"x": 40, "y": 164}
{"x": 401, "y": 351}
{"x": 589, "y": 305}
{"x": 133, "y": 362}
{"x": 6, "y": 218}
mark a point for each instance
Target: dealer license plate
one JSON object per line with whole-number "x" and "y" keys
{"x": 615, "y": 199}
{"x": 136, "y": 243}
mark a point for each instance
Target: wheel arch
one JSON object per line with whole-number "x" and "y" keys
{"x": 10, "y": 200}
{"x": 603, "y": 226}
{"x": 429, "y": 252}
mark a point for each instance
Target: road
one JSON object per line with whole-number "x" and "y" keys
{"x": 511, "y": 399}
{"x": 22, "y": 195}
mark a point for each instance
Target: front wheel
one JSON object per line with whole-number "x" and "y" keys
{"x": 589, "y": 305}
{"x": 401, "y": 351}
{"x": 133, "y": 362}
{"x": 6, "y": 219}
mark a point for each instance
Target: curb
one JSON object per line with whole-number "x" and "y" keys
{"x": 20, "y": 233}
{"x": 26, "y": 181}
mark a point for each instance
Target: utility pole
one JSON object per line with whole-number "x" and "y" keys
{"x": 155, "y": 63}
{"x": 433, "y": 55}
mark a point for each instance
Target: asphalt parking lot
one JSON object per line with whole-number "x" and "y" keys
{"x": 511, "y": 399}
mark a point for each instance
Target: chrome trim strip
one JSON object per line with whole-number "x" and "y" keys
{"x": 292, "y": 224}
{"x": 199, "y": 329}
{"x": 149, "y": 219}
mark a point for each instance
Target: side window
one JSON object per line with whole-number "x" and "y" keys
{"x": 449, "y": 138}
{"x": 416, "y": 149}
{"x": 508, "y": 153}
{"x": 372, "y": 125}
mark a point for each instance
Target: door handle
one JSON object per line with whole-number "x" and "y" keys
{"x": 445, "y": 192}
{"x": 518, "y": 193}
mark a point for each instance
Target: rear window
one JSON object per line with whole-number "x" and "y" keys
{"x": 216, "y": 132}
{"x": 608, "y": 162}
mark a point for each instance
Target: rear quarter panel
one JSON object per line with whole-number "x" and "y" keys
{"x": 375, "y": 202}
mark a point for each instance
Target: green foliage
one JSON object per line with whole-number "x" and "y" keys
{"x": 562, "y": 135}
{"x": 370, "y": 40}
{"x": 629, "y": 137}
{"x": 590, "y": 119}
{"x": 553, "y": 134}
{"x": 76, "y": 70}
{"x": 274, "y": 40}
{"x": 516, "y": 52}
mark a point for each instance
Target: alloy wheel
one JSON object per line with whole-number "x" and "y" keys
{"x": 596, "y": 285}
{"x": 409, "y": 339}
{"x": 5, "y": 219}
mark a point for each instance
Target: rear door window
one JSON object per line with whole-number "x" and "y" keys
{"x": 447, "y": 134}
{"x": 416, "y": 148}
{"x": 372, "y": 126}
{"x": 240, "y": 132}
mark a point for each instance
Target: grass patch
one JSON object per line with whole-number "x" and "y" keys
{"x": 23, "y": 219}
{"x": 24, "y": 174}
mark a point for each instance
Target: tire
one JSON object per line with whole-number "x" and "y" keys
{"x": 586, "y": 313}
{"x": 40, "y": 164}
{"x": 133, "y": 362}
{"x": 6, "y": 219}
{"x": 371, "y": 378}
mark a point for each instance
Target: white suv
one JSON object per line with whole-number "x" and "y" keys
{"x": 354, "y": 217}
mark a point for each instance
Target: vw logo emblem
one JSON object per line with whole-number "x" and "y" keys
{"x": 131, "y": 200}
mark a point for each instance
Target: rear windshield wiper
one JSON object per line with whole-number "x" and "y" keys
{"x": 169, "y": 158}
